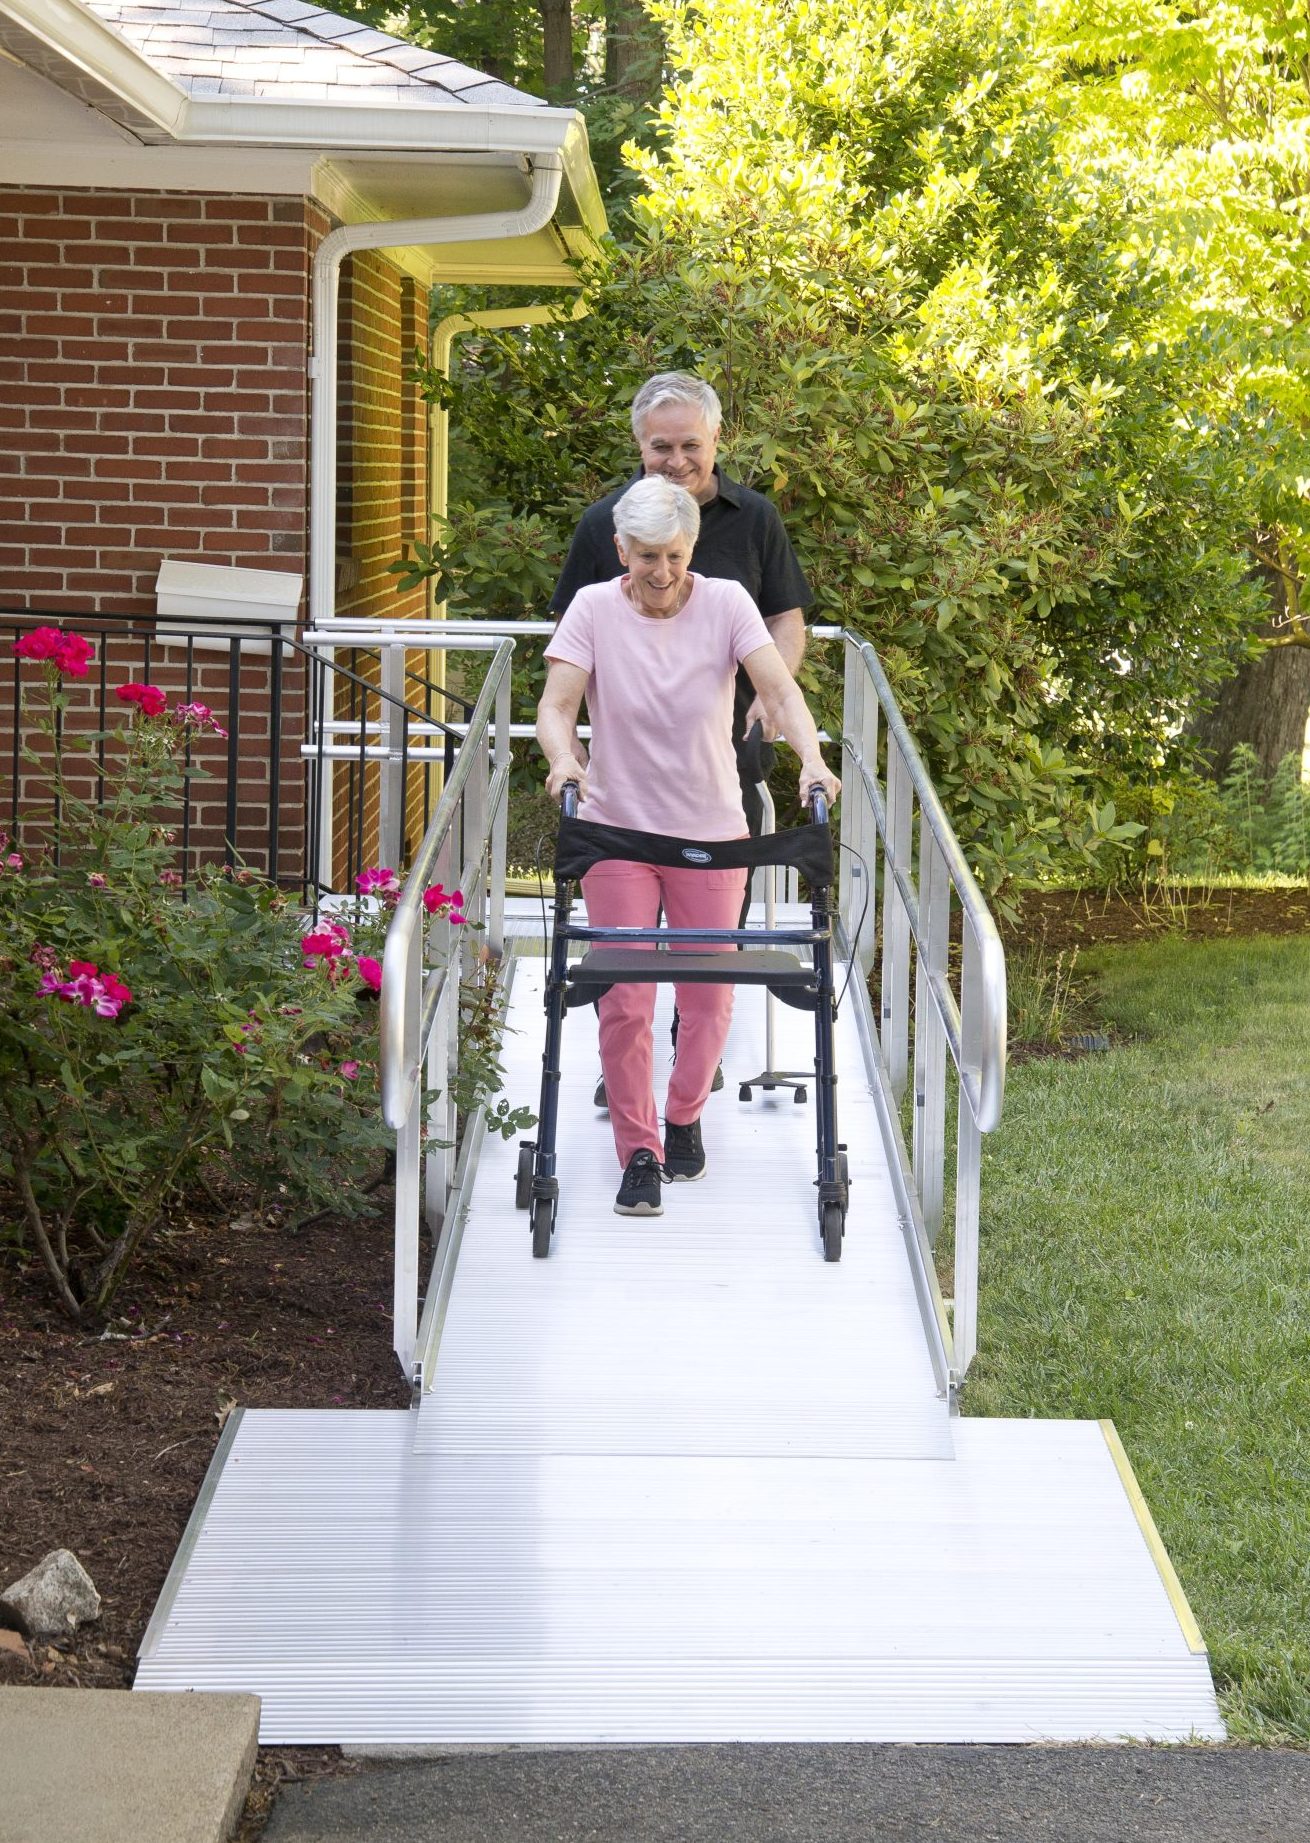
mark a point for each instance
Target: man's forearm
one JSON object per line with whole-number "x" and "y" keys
{"x": 787, "y": 632}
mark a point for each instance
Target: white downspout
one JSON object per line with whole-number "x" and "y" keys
{"x": 400, "y": 233}
{"x": 484, "y": 227}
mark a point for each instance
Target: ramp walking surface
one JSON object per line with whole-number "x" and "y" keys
{"x": 840, "y": 1794}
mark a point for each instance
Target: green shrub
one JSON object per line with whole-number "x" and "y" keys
{"x": 149, "y": 1029}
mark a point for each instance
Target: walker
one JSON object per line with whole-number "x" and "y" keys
{"x": 802, "y": 979}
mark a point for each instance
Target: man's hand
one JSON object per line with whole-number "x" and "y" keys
{"x": 758, "y": 714}
{"x": 566, "y": 768}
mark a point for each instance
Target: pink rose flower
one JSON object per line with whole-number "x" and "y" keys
{"x": 105, "y": 994}
{"x": 379, "y": 881}
{"x": 171, "y": 879}
{"x": 149, "y": 699}
{"x": 327, "y": 943}
{"x": 370, "y": 971}
{"x": 197, "y": 717}
{"x": 96, "y": 881}
{"x": 67, "y": 653}
{"x": 14, "y": 861}
{"x": 438, "y": 900}
{"x": 349, "y": 1069}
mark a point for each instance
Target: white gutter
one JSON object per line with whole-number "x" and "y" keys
{"x": 476, "y": 227}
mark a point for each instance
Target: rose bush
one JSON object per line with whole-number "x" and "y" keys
{"x": 149, "y": 1030}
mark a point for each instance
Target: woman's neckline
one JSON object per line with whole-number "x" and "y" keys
{"x": 625, "y": 590}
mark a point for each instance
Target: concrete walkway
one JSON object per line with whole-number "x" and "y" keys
{"x": 838, "y": 1794}
{"x": 99, "y": 1766}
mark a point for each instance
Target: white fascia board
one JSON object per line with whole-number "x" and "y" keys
{"x": 83, "y": 40}
{"x": 363, "y": 128}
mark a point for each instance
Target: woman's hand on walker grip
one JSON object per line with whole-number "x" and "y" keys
{"x": 566, "y": 768}
{"x": 815, "y": 773}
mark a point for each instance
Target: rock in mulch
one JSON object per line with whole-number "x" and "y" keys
{"x": 53, "y": 1599}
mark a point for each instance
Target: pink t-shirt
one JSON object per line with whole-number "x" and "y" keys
{"x": 659, "y": 695}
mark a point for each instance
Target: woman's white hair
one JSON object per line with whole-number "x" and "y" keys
{"x": 676, "y": 387}
{"x": 655, "y": 511}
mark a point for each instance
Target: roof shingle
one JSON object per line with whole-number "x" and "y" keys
{"x": 290, "y": 51}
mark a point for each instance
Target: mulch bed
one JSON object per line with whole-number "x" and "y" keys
{"x": 1062, "y": 919}
{"x": 107, "y": 1438}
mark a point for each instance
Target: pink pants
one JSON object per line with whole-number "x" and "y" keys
{"x": 621, "y": 894}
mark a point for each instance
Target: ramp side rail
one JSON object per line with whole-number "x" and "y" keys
{"x": 891, "y": 814}
{"x": 424, "y": 963}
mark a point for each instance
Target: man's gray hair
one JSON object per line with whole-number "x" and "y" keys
{"x": 676, "y": 387}
{"x": 655, "y": 511}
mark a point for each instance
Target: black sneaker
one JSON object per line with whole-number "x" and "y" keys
{"x": 639, "y": 1193}
{"x": 684, "y": 1155}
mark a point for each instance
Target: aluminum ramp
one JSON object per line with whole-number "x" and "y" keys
{"x": 683, "y": 1481}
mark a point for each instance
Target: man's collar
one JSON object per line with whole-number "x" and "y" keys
{"x": 729, "y": 489}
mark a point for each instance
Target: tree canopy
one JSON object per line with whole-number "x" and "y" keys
{"x": 1006, "y": 307}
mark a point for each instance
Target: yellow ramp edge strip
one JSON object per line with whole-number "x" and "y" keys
{"x": 1159, "y": 1554}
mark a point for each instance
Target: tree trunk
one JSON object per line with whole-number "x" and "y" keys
{"x": 557, "y": 44}
{"x": 1266, "y": 702}
{"x": 633, "y": 50}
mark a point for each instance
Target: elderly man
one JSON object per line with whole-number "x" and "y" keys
{"x": 675, "y": 419}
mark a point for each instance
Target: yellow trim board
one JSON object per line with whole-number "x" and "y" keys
{"x": 1159, "y": 1554}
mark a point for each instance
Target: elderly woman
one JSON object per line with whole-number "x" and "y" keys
{"x": 655, "y": 653}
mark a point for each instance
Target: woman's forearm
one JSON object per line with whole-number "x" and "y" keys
{"x": 791, "y": 717}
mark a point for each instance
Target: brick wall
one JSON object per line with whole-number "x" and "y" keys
{"x": 152, "y": 390}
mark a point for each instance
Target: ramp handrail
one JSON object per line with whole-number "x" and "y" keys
{"x": 890, "y": 815}
{"x": 879, "y": 809}
{"x": 423, "y": 965}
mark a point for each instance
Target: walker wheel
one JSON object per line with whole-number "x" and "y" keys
{"x": 834, "y": 1226}
{"x": 543, "y": 1222}
{"x": 523, "y": 1175}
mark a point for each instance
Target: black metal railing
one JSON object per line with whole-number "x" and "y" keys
{"x": 256, "y": 796}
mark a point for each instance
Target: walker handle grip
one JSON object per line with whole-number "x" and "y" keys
{"x": 818, "y": 805}
{"x": 568, "y": 800}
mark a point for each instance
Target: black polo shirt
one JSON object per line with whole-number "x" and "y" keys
{"x": 741, "y": 538}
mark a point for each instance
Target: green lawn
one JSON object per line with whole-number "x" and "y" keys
{"x": 1146, "y": 1256}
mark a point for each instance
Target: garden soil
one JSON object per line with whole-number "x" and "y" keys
{"x": 106, "y": 1438}
{"x": 107, "y": 1433}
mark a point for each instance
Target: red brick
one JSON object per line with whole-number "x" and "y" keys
{"x": 71, "y": 301}
{"x": 127, "y": 470}
{"x": 168, "y": 399}
{"x": 55, "y": 326}
{"x": 120, "y": 273}
{"x": 169, "y": 205}
{"x": 42, "y": 371}
{"x": 180, "y": 447}
{"x": 239, "y": 210}
{"x": 164, "y": 492}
